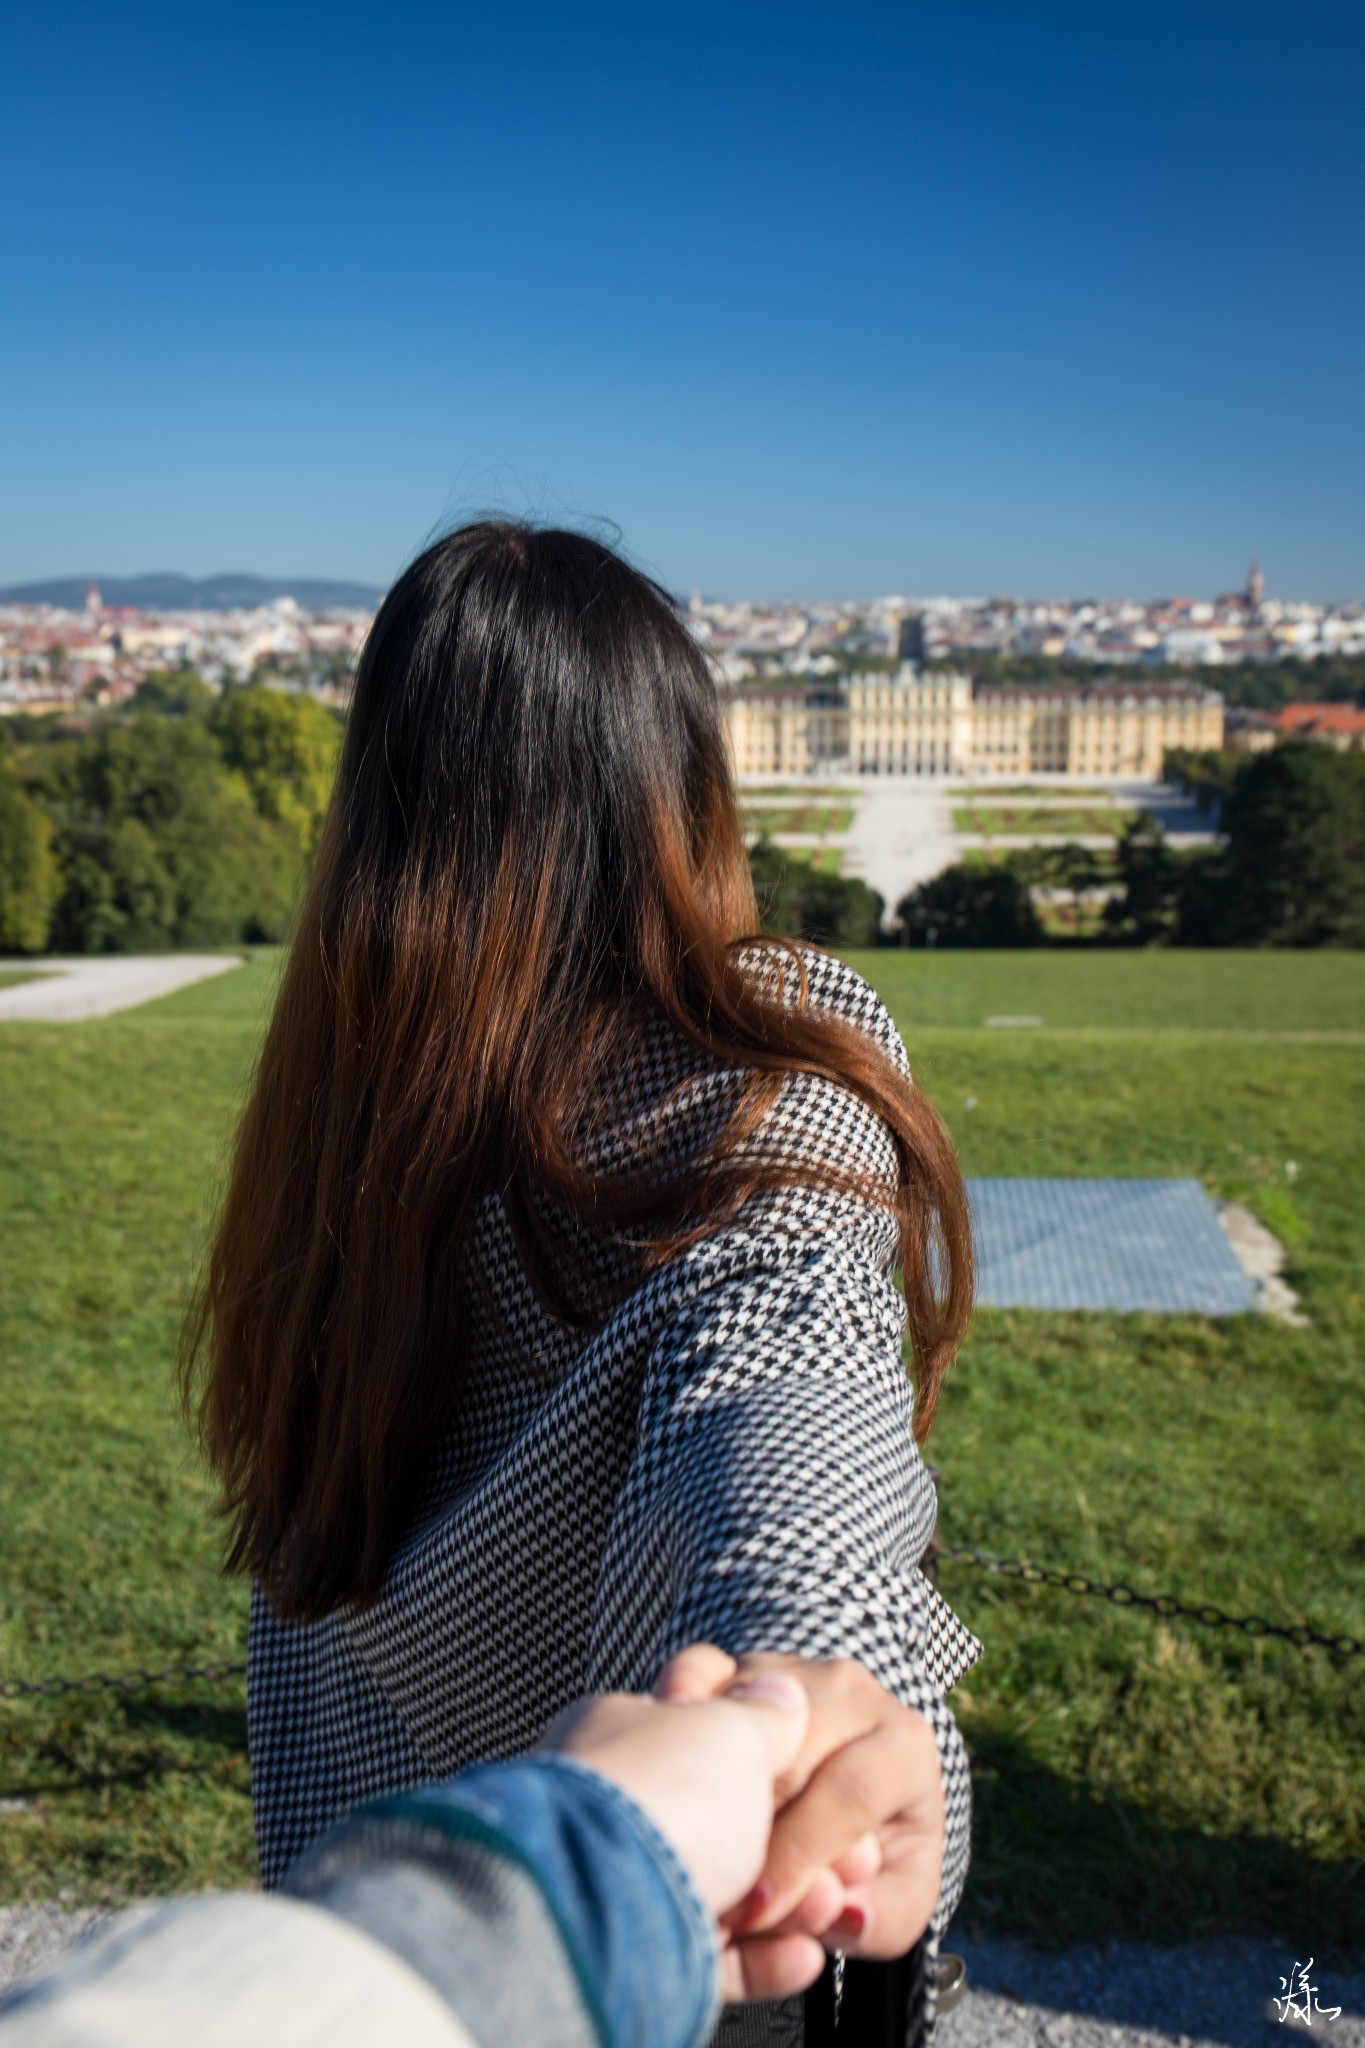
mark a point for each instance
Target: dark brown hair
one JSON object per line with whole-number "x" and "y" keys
{"x": 534, "y": 831}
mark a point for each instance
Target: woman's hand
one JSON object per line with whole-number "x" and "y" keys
{"x": 704, "y": 1771}
{"x": 857, "y": 1846}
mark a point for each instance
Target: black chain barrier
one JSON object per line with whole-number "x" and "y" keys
{"x": 947, "y": 1553}
{"x": 117, "y": 1681}
{"x": 1159, "y": 1603}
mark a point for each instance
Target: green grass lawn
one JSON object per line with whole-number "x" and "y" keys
{"x": 1019, "y": 792}
{"x": 796, "y": 793}
{"x": 1133, "y": 1776}
{"x": 1140, "y": 991}
{"x": 798, "y": 817}
{"x": 1072, "y": 822}
{"x": 822, "y": 860}
{"x": 10, "y": 976}
{"x": 111, "y": 1134}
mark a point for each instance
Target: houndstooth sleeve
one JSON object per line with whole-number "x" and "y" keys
{"x": 777, "y": 1499}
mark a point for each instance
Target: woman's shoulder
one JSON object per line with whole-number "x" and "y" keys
{"x": 803, "y": 974}
{"x": 668, "y": 1098}
{"x": 820, "y": 1119}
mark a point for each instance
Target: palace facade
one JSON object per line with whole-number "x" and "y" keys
{"x": 909, "y": 723}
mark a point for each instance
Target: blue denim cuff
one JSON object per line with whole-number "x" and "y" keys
{"x": 642, "y": 1944}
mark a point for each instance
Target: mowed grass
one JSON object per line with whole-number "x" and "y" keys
{"x": 798, "y": 817}
{"x": 1019, "y": 792}
{"x": 821, "y": 860}
{"x": 111, "y": 1137}
{"x": 1137, "y": 1776}
{"x": 1074, "y": 821}
{"x": 1133, "y": 1776}
{"x": 1140, "y": 991}
{"x": 796, "y": 793}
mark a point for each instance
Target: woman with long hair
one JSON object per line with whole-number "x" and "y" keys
{"x": 550, "y": 1323}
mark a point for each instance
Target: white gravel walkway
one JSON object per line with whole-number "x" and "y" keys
{"x": 33, "y": 1936}
{"x": 66, "y": 991}
{"x": 902, "y": 833}
{"x": 1124, "y": 1995}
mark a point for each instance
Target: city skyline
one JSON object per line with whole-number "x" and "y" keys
{"x": 60, "y": 656}
{"x": 69, "y": 590}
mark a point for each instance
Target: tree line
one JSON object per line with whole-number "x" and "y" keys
{"x": 185, "y": 819}
{"x": 189, "y": 819}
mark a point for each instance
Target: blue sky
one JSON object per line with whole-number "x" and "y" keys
{"x": 807, "y": 300}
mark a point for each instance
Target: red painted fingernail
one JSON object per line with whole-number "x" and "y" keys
{"x": 751, "y": 1908}
{"x": 850, "y": 1925}
{"x": 775, "y": 1691}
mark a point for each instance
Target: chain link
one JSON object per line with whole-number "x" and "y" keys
{"x": 117, "y": 1681}
{"x": 1159, "y": 1603}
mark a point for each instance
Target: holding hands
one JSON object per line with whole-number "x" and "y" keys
{"x": 805, "y": 1801}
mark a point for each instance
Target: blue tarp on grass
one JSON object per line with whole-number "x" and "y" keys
{"x": 1104, "y": 1244}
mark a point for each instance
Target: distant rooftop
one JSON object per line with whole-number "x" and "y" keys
{"x": 1319, "y": 718}
{"x": 1110, "y": 692}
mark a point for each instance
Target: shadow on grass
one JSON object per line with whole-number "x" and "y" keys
{"x": 115, "y": 1799}
{"x": 1057, "y": 1865}
{"x": 86, "y": 1746}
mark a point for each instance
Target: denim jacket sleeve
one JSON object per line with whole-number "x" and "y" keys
{"x": 537, "y": 1899}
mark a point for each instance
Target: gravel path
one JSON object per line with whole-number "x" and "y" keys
{"x": 902, "y": 833}
{"x": 31, "y": 1937}
{"x": 1125, "y": 1995}
{"x": 65, "y": 991}
{"x": 1134, "y": 1994}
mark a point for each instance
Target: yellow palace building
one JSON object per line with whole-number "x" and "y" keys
{"x": 942, "y": 724}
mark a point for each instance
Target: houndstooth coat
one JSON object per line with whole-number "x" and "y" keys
{"x": 729, "y": 1459}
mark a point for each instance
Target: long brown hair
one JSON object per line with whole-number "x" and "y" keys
{"x": 534, "y": 831}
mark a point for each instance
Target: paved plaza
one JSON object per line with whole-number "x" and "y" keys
{"x": 903, "y": 831}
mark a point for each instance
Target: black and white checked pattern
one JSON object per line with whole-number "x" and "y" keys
{"x": 729, "y": 1459}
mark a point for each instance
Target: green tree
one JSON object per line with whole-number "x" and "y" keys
{"x": 970, "y": 905}
{"x": 798, "y": 902}
{"x": 118, "y": 894}
{"x": 159, "y": 842}
{"x": 285, "y": 746}
{"x": 1261, "y": 685}
{"x": 178, "y": 692}
{"x": 1294, "y": 869}
{"x": 1154, "y": 883}
{"x": 30, "y": 881}
{"x": 1207, "y": 777}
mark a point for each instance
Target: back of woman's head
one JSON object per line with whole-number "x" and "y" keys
{"x": 533, "y": 832}
{"x": 534, "y": 742}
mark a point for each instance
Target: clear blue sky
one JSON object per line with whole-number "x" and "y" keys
{"x": 806, "y": 299}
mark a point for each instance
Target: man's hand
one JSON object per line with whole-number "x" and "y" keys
{"x": 704, "y": 1771}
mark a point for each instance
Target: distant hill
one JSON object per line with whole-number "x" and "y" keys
{"x": 171, "y": 593}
